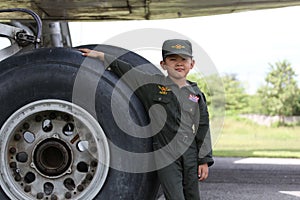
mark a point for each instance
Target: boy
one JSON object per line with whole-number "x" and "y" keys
{"x": 183, "y": 123}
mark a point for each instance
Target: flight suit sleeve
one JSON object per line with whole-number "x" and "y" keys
{"x": 134, "y": 78}
{"x": 116, "y": 65}
{"x": 203, "y": 137}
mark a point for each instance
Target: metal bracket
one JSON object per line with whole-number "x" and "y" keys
{"x": 24, "y": 39}
{"x": 9, "y": 31}
{"x": 20, "y": 38}
{"x": 17, "y": 34}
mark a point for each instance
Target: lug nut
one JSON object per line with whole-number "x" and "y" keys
{"x": 52, "y": 115}
{"x": 68, "y": 195}
{"x": 27, "y": 188}
{"x": 80, "y": 188}
{"x": 18, "y": 178}
{"x": 38, "y": 118}
{"x": 17, "y": 137}
{"x": 66, "y": 117}
{"x": 40, "y": 195}
{"x": 13, "y": 165}
{"x": 89, "y": 177}
{"x": 12, "y": 150}
{"x": 53, "y": 197}
{"x": 26, "y": 125}
{"x": 94, "y": 163}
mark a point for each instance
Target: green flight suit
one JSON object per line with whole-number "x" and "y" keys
{"x": 180, "y": 124}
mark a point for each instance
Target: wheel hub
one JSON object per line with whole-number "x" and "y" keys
{"x": 52, "y": 157}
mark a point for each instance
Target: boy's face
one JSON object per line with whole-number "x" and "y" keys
{"x": 177, "y": 66}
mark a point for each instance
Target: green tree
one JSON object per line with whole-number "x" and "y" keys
{"x": 202, "y": 84}
{"x": 212, "y": 87}
{"x": 217, "y": 89}
{"x": 280, "y": 94}
{"x": 255, "y": 105}
{"x": 236, "y": 97}
{"x": 297, "y": 109}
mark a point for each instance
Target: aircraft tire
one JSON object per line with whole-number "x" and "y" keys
{"x": 54, "y": 145}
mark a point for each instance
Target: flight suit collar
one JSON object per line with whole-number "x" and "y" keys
{"x": 169, "y": 82}
{"x": 192, "y": 87}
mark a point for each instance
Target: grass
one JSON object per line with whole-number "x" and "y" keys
{"x": 243, "y": 138}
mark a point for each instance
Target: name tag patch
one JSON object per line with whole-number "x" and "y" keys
{"x": 194, "y": 98}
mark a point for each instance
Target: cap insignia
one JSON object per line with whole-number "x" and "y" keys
{"x": 178, "y": 46}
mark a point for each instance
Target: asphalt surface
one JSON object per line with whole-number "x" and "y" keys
{"x": 252, "y": 179}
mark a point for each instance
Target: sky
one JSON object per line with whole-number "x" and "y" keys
{"x": 244, "y": 44}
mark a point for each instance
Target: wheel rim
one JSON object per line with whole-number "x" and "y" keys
{"x": 53, "y": 149}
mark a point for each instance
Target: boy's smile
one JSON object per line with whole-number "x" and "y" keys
{"x": 177, "y": 66}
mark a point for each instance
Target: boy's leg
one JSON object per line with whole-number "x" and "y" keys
{"x": 190, "y": 175}
{"x": 171, "y": 181}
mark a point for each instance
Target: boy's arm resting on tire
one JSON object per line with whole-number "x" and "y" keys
{"x": 110, "y": 62}
{"x": 134, "y": 77}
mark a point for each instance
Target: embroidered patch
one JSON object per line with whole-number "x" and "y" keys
{"x": 178, "y": 46}
{"x": 194, "y": 98}
{"x": 163, "y": 89}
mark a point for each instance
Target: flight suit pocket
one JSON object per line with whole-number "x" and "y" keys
{"x": 161, "y": 99}
{"x": 190, "y": 107}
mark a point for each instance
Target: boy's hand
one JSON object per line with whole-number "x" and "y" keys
{"x": 202, "y": 172}
{"x": 92, "y": 53}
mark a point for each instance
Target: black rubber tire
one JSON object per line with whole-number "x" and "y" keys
{"x": 50, "y": 74}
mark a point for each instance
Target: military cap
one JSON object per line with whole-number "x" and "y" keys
{"x": 177, "y": 46}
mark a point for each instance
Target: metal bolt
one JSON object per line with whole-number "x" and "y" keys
{"x": 26, "y": 125}
{"x": 13, "y": 165}
{"x": 52, "y": 115}
{"x": 38, "y": 118}
{"x": 18, "y": 178}
{"x": 68, "y": 195}
{"x": 12, "y": 150}
{"x": 27, "y": 188}
{"x": 17, "y": 137}
{"x": 54, "y": 197}
{"x": 94, "y": 163}
{"x": 40, "y": 195}
{"x": 66, "y": 117}
{"x": 80, "y": 188}
{"x": 89, "y": 177}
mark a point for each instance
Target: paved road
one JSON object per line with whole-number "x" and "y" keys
{"x": 252, "y": 179}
